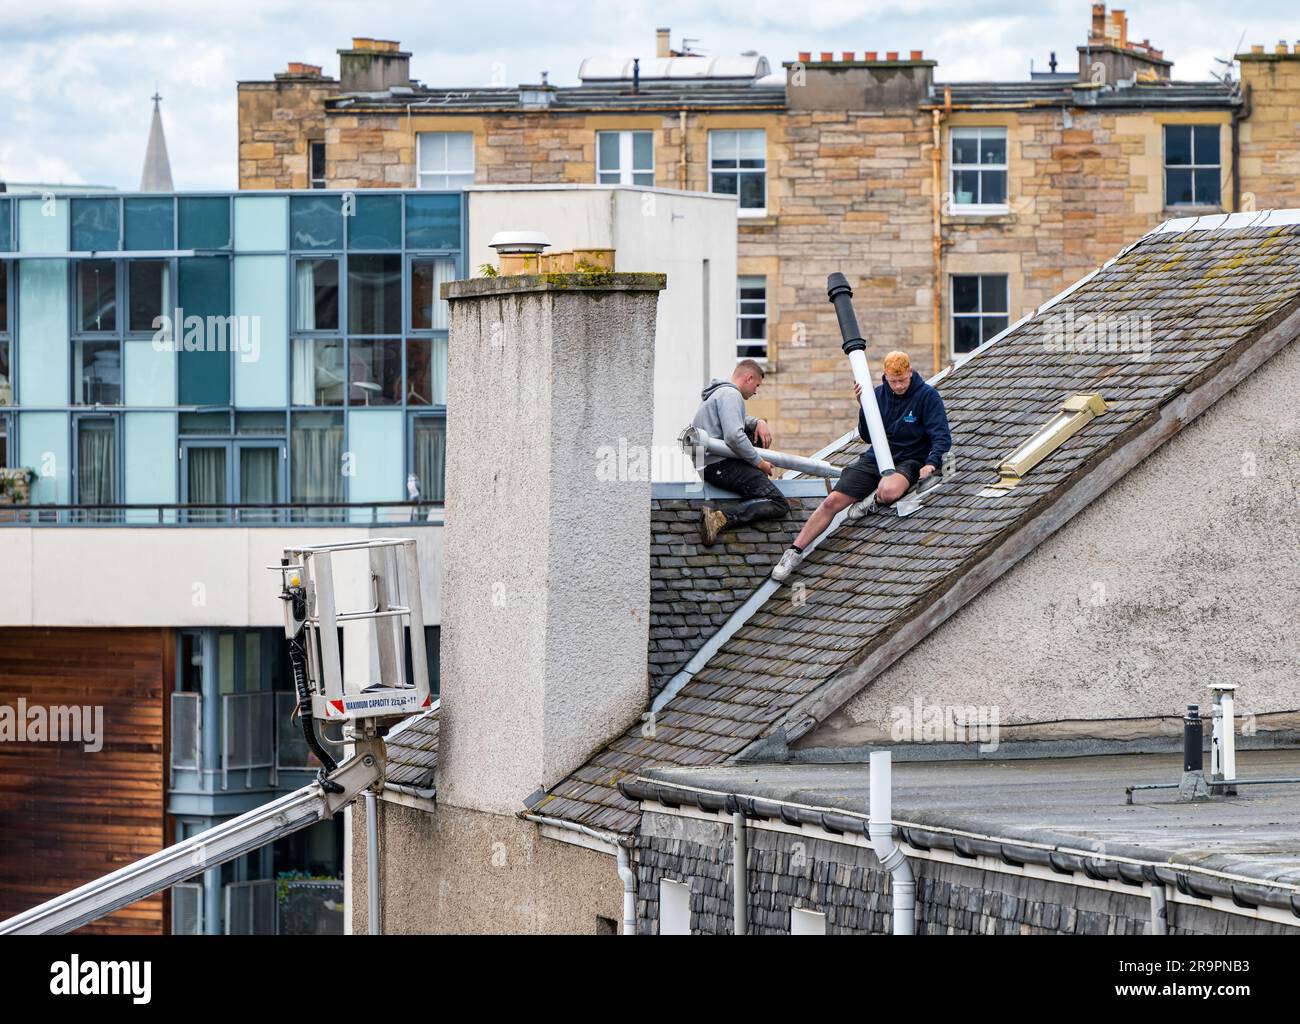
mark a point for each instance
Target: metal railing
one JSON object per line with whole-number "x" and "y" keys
{"x": 291, "y": 750}
{"x": 247, "y": 735}
{"x": 251, "y": 908}
{"x": 187, "y": 908}
{"x": 187, "y": 731}
{"x": 309, "y": 907}
{"x": 352, "y": 513}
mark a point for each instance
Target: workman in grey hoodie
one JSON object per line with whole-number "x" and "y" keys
{"x": 745, "y": 472}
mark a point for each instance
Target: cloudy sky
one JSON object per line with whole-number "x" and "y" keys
{"x": 76, "y": 75}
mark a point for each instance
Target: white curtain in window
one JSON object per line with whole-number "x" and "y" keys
{"x": 304, "y": 371}
{"x": 318, "y": 463}
{"x": 96, "y": 464}
{"x": 431, "y": 456}
{"x": 438, "y": 374}
{"x": 443, "y": 271}
{"x": 305, "y": 315}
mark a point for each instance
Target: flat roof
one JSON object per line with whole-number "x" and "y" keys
{"x": 1074, "y": 803}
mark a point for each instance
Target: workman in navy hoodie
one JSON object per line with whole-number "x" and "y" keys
{"x": 916, "y": 425}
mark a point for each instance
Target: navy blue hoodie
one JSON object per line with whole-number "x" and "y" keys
{"x": 915, "y": 423}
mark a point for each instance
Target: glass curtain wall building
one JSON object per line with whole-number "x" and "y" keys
{"x": 246, "y": 349}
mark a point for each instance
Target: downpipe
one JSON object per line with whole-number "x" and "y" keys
{"x": 880, "y": 829}
{"x": 628, "y": 876}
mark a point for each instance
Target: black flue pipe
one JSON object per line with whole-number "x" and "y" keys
{"x": 1193, "y": 740}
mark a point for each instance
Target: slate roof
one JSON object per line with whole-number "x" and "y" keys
{"x": 1204, "y": 295}
{"x": 694, "y": 589}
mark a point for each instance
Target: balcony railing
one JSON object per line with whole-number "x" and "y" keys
{"x": 351, "y": 513}
{"x": 259, "y": 737}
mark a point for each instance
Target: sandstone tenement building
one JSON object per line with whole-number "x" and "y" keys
{"x": 954, "y": 208}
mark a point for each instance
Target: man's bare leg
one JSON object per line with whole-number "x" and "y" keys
{"x": 816, "y": 524}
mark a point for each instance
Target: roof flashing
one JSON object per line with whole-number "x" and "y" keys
{"x": 1075, "y": 413}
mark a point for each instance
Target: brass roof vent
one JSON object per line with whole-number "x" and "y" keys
{"x": 1076, "y": 412}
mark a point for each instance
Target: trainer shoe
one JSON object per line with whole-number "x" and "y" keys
{"x": 712, "y": 521}
{"x": 789, "y": 562}
{"x": 862, "y": 508}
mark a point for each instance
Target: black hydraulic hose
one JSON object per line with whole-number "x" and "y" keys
{"x": 298, "y": 661}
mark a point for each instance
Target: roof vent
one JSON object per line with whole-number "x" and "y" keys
{"x": 1075, "y": 413}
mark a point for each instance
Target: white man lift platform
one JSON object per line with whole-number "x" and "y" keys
{"x": 367, "y": 708}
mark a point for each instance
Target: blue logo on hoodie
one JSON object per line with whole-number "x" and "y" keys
{"x": 910, "y": 417}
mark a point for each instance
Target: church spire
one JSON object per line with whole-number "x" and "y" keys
{"x": 157, "y": 173}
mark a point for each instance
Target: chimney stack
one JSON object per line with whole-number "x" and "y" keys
{"x": 663, "y": 47}
{"x": 546, "y": 560}
{"x": 373, "y": 65}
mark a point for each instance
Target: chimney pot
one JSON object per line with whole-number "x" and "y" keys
{"x": 827, "y": 56}
{"x": 663, "y": 44}
{"x": 1282, "y": 47}
{"x": 891, "y": 55}
{"x": 870, "y": 55}
{"x": 847, "y": 55}
{"x": 916, "y": 55}
{"x": 805, "y": 56}
{"x": 1256, "y": 47}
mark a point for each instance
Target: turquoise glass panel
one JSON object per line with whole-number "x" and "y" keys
{"x": 204, "y": 222}
{"x": 6, "y": 226}
{"x": 150, "y": 224}
{"x": 261, "y": 297}
{"x": 376, "y": 223}
{"x": 205, "y": 295}
{"x": 43, "y": 332}
{"x": 149, "y": 444}
{"x": 43, "y": 446}
{"x": 96, "y": 225}
{"x": 261, "y": 223}
{"x": 316, "y": 222}
{"x": 375, "y": 441}
{"x": 150, "y": 374}
{"x": 433, "y": 222}
{"x": 42, "y": 225}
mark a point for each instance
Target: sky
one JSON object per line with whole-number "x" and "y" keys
{"x": 76, "y": 75}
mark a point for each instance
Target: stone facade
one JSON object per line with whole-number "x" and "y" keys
{"x": 851, "y": 183}
{"x": 278, "y": 121}
{"x": 1270, "y": 134}
{"x": 846, "y": 883}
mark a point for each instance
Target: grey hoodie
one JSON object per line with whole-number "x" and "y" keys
{"x": 723, "y": 415}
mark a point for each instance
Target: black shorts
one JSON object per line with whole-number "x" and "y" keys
{"x": 862, "y": 478}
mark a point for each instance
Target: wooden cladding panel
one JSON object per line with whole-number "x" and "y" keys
{"x": 68, "y": 815}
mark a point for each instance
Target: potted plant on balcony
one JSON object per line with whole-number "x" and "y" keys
{"x": 16, "y": 485}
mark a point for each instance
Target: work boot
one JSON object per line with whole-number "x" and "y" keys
{"x": 712, "y": 521}
{"x": 789, "y": 562}
{"x": 862, "y": 508}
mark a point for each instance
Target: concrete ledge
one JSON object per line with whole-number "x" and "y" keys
{"x": 803, "y": 487}
{"x": 516, "y": 284}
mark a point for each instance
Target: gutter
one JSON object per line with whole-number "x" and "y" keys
{"x": 1129, "y": 868}
{"x": 621, "y": 844}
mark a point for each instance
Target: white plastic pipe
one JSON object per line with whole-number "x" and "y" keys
{"x": 880, "y": 828}
{"x": 871, "y": 409}
{"x": 628, "y": 876}
{"x": 693, "y": 438}
{"x": 372, "y": 863}
{"x": 855, "y": 347}
{"x": 739, "y": 878}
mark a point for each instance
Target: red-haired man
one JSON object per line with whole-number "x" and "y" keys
{"x": 916, "y": 425}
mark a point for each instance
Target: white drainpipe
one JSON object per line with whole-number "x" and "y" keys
{"x": 628, "y": 876}
{"x": 621, "y": 846}
{"x": 880, "y": 827}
